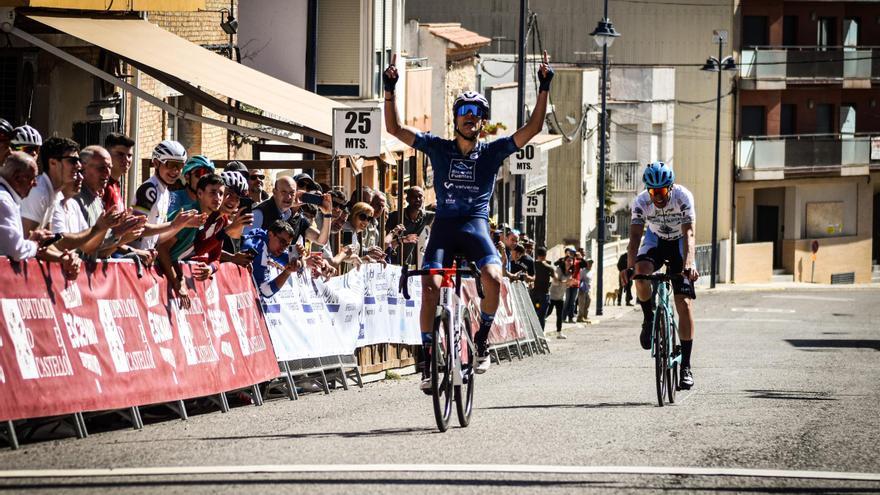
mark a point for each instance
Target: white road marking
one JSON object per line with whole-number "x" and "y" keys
{"x": 809, "y": 298}
{"x": 746, "y": 320}
{"x": 761, "y": 310}
{"x": 434, "y": 468}
{"x": 687, "y": 396}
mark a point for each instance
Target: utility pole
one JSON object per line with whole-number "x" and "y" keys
{"x": 519, "y": 180}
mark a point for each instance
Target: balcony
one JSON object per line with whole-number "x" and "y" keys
{"x": 807, "y": 155}
{"x": 625, "y": 176}
{"x": 780, "y": 67}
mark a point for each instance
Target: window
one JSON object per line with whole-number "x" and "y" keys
{"x": 753, "y": 121}
{"x": 824, "y": 118}
{"x": 851, "y": 32}
{"x": 754, "y": 30}
{"x": 827, "y": 31}
{"x": 788, "y": 119}
{"x": 789, "y": 30}
{"x": 847, "y": 118}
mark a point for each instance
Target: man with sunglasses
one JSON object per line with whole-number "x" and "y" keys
{"x": 255, "y": 186}
{"x": 664, "y": 212}
{"x": 60, "y": 163}
{"x": 27, "y": 139}
{"x": 464, "y": 178}
{"x": 194, "y": 169}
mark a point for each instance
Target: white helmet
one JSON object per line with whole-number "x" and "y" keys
{"x": 169, "y": 150}
{"x": 26, "y": 136}
{"x": 474, "y": 98}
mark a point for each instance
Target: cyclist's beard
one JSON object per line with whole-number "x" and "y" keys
{"x": 472, "y": 137}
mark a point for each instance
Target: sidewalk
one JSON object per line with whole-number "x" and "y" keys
{"x": 784, "y": 286}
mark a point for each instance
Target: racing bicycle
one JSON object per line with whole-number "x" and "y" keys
{"x": 453, "y": 353}
{"x": 664, "y": 348}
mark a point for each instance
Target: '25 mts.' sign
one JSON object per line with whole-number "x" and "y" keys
{"x": 357, "y": 131}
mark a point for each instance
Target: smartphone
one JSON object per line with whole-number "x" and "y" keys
{"x": 52, "y": 240}
{"x": 312, "y": 199}
{"x": 250, "y": 252}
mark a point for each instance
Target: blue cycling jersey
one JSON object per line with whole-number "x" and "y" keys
{"x": 464, "y": 184}
{"x": 265, "y": 267}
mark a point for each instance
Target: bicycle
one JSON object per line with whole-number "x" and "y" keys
{"x": 452, "y": 367}
{"x": 664, "y": 349}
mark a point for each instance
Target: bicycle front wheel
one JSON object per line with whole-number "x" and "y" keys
{"x": 661, "y": 354}
{"x": 464, "y": 394}
{"x": 441, "y": 377}
{"x": 672, "y": 368}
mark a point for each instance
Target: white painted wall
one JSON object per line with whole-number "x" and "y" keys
{"x": 272, "y": 36}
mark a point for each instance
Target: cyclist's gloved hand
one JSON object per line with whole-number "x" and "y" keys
{"x": 390, "y": 76}
{"x": 545, "y": 74}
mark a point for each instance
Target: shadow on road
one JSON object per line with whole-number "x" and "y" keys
{"x": 789, "y": 395}
{"x": 836, "y": 343}
{"x": 341, "y": 434}
{"x": 598, "y": 405}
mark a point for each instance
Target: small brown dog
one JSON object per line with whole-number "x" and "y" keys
{"x": 611, "y": 297}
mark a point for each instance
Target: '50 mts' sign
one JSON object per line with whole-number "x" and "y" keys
{"x": 357, "y": 131}
{"x": 525, "y": 160}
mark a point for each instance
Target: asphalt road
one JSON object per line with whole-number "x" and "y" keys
{"x": 785, "y": 380}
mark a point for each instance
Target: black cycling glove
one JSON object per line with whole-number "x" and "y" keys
{"x": 545, "y": 79}
{"x": 390, "y": 82}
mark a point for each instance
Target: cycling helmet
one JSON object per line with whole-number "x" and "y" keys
{"x": 26, "y": 136}
{"x": 658, "y": 174}
{"x": 474, "y": 98}
{"x": 196, "y": 162}
{"x": 169, "y": 150}
{"x": 235, "y": 181}
{"x": 6, "y": 128}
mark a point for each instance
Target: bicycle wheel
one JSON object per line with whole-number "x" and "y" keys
{"x": 672, "y": 370}
{"x": 464, "y": 394}
{"x": 660, "y": 353}
{"x": 441, "y": 378}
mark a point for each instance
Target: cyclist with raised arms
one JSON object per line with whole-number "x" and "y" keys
{"x": 464, "y": 178}
{"x": 664, "y": 212}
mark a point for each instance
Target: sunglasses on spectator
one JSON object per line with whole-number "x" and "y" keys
{"x": 29, "y": 149}
{"x": 200, "y": 172}
{"x": 73, "y": 160}
{"x": 363, "y": 217}
{"x": 257, "y": 177}
{"x": 472, "y": 109}
{"x": 658, "y": 192}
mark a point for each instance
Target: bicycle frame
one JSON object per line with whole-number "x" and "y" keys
{"x": 450, "y": 300}
{"x": 662, "y": 291}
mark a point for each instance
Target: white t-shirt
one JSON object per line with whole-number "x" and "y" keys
{"x": 665, "y": 222}
{"x": 67, "y": 217}
{"x": 40, "y": 202}
{"x": 151, "y": 199}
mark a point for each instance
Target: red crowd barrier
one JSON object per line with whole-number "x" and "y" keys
{"x": 112, "y": 340}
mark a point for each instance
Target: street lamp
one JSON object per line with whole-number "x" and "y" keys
{"x": 718, "y": 65}
{"x": 603, "y": 35}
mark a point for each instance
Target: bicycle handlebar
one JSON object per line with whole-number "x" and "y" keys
{"x": 470, "y": 271}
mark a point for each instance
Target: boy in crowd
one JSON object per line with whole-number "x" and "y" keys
{"x": 120, "y": 148}
{"x": 194, "y": 169}
{"x": 273, "y": 262}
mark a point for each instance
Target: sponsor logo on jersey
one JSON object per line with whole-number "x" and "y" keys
{"x": 462, "y": 170}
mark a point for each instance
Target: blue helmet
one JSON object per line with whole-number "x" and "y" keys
{"x": 658, "y": 174}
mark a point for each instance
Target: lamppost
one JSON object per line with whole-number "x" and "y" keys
{"x": 717, "y": 65}
{"x": 603, "y": 35}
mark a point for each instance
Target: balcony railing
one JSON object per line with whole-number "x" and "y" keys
{"x": 808, "y": 63}
{"x": 805, "y": 150}
{"x": 625, "y": 176}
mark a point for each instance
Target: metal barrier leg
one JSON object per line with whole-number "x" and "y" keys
{"x": 516, "y": 345}
{"x": 342, "y": 374}
{"x": 136, "y": 420}
{"x": 179, "y": 408}
{"x": 79, "y": 424}
{"x": 10, "y": 435}
{"x": 291, "y": 387}
{"x": 324, "y": 382}
{"x": 258, "y": 399}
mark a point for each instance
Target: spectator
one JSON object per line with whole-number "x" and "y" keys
{"x": 194, "y": 169}
{"x": 153, "y": 198}
{"x": 255, "y": 186}
{"x": 27, "y": 139}
{"x": 571, "y": 293}
{"x": 364, "y": 195}
{"x": 6, "y": 132}
{"x": 540, "y": 293}
{"x": 278, "y": 207}
{"x": 356, "y": 252}
{"x": 584, "y": 292}
{"x": 17, "y": 178}
{"x": 518, "y": 269}
{"x": 235, "y": 193}
{"x": 304, "y": 182}
{"x": 59, "y": 162}
{"x": 271, "y": 255}
{"x": 372, "y": 236}
{"x": 527, "y": 260}
{"x": 558, "y": 289}
{"x": 338, "y": 219}
{"x": 624, "y": 283}
{"x": 415, "y": 220}
{"x": 245, "y": 202}
{"x": 120, "y": 148}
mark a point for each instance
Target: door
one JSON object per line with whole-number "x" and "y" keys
{"x": 847, "y": 120}
{"x": 767, "y": 230}
{"x": 824, "y": 118}
{"x": 788, "y": 119}
{"x": 850, "y": 33}
{"x": 827, "y": 32}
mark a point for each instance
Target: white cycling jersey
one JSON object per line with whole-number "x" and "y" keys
{"x": 665, "y": 222}
{"x": 151, "y": 199}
